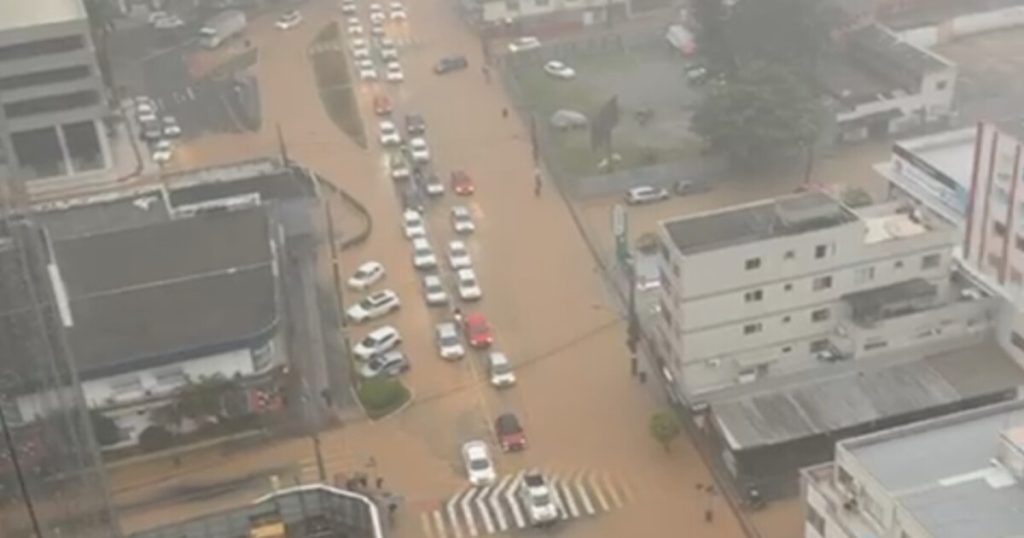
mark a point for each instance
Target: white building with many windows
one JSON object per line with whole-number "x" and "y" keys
{"x": 801, "y": 282}
{"x": 957, "y": 476}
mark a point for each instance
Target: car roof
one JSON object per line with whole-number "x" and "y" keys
{"x": 446, "y": 327}
{"x": 419, "y": 243}
{"x": 475, "y": 448}
{"x": 498, "y": 357}
{"x": 466, "y": 272}
{"x": 456, "y": 244}
{"x": 432, "y": 279}
{"x": 370, "y": 265}
{"x": 412, "y": 213}
{"x": 381, "y": 332}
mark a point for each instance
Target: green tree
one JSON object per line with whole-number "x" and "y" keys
{"x": 203, "y": 400}
{"x": 762, "y": 113}
{"x": 786, "y": 32}
{"x": 155, "y": 438}
{"x": 104, "y": 428}
{"x": 712, "y": 35}
{"x": 665, "y": 428}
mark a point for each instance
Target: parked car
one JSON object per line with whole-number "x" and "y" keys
{"x": 394, "y": 72}
{"x": 163, "y": 151}
{"x": 381, "y": 105}
{"x": 697, "y": 75}
{"x": 377, "y": 30}
{"x": 388, "y": 52}
{"x": 151, "y": 131}
{"x": 168, "y": 22}
{"x": 449, "y": 342}
{"x": 499, "y": 368}
{"x": 450, "y": 64}
{"x": 415, "y": 125}
{"x": 378, "y": 341}
{"x": 645, "y": 195}
{"x": 462, "y": 220}
{"x": 419, "y": 151}
{"x": 458, "y": 255}
{"x": 510, "y": 433}
{"x": 559, "y": 70}
{"x": 535, "y": 494}
{"x": 171, "y": 129}
{"x": 288, "y": 20}
{"x": 469, "y": 287}
{"x": 433, "y": 291}
{"x": 520, "y": 44}
{"x": 462, "y": 184}
{"x": 373, "y": 306}
{"x": 567, "y": 120}
{"x": 389, "y": 135}
{"x": 355, "y": 29}
{"x": 375, "y": 7}
{"x": 422, "y": 255}
{"x": 389, "y": 363}
{"x": 433, "y": 184}
{"x": 478, "y": 331}
{"x": 479, "y": 467}
{"x": 687, "y": 187}
{"x": 367, "y": 71}
{"x": 412, "y": 223}
{"x": 377, "y": 17}
{"x": 397, "y": 14}
{"x": 399, "y": 166}
{"x": 349, "y": 8}
{"x": 366, "y": 275}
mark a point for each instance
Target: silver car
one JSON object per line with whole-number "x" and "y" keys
{"x": 433, "y": 291}
{"x": 449, "y": 343}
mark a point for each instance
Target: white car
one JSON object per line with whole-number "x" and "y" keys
{"x": 479, "y": 467}
{"x": 170, "y": 127}
{"x": 367, "y": 71}
{"x": 373, "y": 306}
{"x": 376, "y": 7}
{"x": 394, "y": 72}
{"x": 433, "y": 291}
{"x": 377, "y": 30}
{"x": 388, "y": 52}
{"x": 396, "y": 6}
{"x": 462, "y": 220}
{"x": 449, "y": 343}
{"x": 458, "y": 255}
{"x": 535, "y": 494}
{"x": 157, "y": 15}
{"x": 559, "y": 70}
{"x": 412, "y": 221}
{"x": 391, "y": 363}
{"x": 360, "y": 52}
{"x": 377, "y": 17}
{"x": 499, "y": 368}
{"x": 524, "y": 43}
{"x": 353, "y": 21}
{"x": 398, "y": 14}
{"x": 349, "y": 8}
{"x": 422, "y": 255}
{"x": 355, "y": 29}
{"x": 469, "y": 287}
{"x": 169, "y": 22}
{"x": 378, "y": 341}
{"x": 163, "y": 151}
{"x": 288, "y": 20}
{"x": 645, "y": 194}
{"x": 419, "y": 151}
{"x": 389, "y": 135}
{"x": 366, "y": 275}
{"x": 145, "y": 113}
{"x": 399, "y": 167}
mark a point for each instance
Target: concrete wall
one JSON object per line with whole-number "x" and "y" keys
{"x": 498, "y": 11}
{"x": 965, "y": 26}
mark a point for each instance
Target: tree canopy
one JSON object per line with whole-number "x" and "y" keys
{"x": 762, "y": 112}
{"x": 664, "y": 428}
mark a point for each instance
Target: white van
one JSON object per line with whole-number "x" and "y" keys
{"x": 500, "y": 370}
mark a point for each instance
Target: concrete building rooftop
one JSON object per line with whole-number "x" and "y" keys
{"x": 949, "y": 153}
{"x": 855, "y": 395}
{"x": 960, "y": 489}
{"x": 16, "y": 14}
{"x": 761, "y": 220}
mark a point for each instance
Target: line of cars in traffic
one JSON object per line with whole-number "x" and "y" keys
{"x": 360, "y": 45}
{"x": 155, "y": 130}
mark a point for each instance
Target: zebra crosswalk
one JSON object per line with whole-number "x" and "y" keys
{"x": 485, "y": 510}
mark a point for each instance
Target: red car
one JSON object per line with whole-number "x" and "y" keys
{"x": 478, "y": 332}
{"x": 381, "y": 105}
{"x": 510, "y": 433}
{"x": 462, "y": 183}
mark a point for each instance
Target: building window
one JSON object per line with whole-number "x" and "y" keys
{"x": 787, "y": 287}
{"x": 753, "y": 263}
{"x": 931, "y": 261}
{"x": 819, "y": 345}
{"x": 52, "y": 103}
{"x": 787, "y": 349}
{"x": 864, "y": 275}
{"x": 820, "y": 251}
{"x": 752, "y": 328}
{"x": 790, "y": 254}
{"x": 821, "y": 314}
{"x": 999, "y": 228}
{"x": 815, "y": 520}
{"x": 42, "y": 47}
{"x": 877, "y": 344}
{"x": 676, "y": 271}
{"x": 1019, "y": 243}
{"x": 821, "y": 283}
{"x": 785, "y": 319}
{"x": 898, "y": 264}
{"x": 753, "y": 296}
{"x": 50, "y": 76}
{"x": 512, "y": 5}
{"x": 941, "y": 85}
{"x": 1017, "y": 340}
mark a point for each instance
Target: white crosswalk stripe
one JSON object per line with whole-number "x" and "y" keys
{"x": 489, "y": 510}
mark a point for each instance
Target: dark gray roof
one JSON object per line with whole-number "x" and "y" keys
{"x": 956, "y": 491}
{"x": 859, "y": 397}
{"x": 878, "y": 51}
{"x": 763, "y": 220}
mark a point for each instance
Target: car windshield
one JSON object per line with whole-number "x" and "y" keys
{"x": 540, "y": 499}
{"x": 479, "y": 464}
{"x": 449, "y": 340}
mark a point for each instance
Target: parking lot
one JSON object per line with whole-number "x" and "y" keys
{"x": 645, "y": 75}
{"x": 991, "y": 82}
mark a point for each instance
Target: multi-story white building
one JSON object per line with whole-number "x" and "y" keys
{"x": 956, "y": 476}
{"x": 797, "y": 283}
{"x": 52, "y": 98}
{"x": 541, "y": 16}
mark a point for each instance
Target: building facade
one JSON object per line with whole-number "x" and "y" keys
{"x": 518, "y": 17}
{"x": 792, "y": 284}
{"x": 957, "y": 476}
{"x": 52, "y": 98}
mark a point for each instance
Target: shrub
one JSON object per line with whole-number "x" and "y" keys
{"x": 104, "y": 428}
{"x": 155, "y": 438}
{"x": 382, "y": 396}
